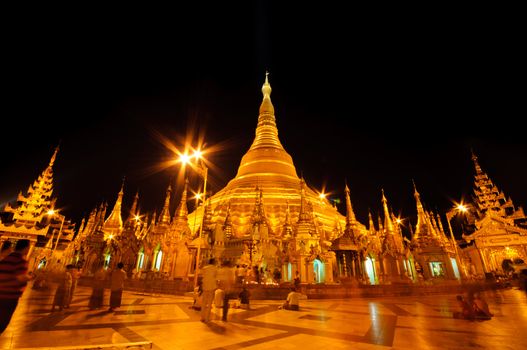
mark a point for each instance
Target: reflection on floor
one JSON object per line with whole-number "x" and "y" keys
{"x": 170, "y": 323}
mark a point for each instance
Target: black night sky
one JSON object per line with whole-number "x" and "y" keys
{"x": 358, "y": 98}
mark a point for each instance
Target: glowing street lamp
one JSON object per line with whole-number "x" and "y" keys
{"x": 202, "y": 170}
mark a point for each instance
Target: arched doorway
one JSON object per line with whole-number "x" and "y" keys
{"x": 369, "y": 263}
{"x": 318, "y": 271}
{"x": 158, "y": 258}
{"x": 140, "y": 259}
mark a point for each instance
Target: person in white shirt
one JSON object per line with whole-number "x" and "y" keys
{"x": 209, "y": 285}
{"x": 293, "y": 300}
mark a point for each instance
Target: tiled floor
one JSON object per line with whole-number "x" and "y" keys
{"x": 168, "y": 322}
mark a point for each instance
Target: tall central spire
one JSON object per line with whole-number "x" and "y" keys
{"x": 266, "y": 155}
{"x": 266, "y": 130}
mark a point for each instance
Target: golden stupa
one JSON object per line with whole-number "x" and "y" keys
{"x": 267, "y": 171}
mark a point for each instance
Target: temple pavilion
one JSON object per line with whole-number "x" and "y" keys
{"x": 497, "y": 229}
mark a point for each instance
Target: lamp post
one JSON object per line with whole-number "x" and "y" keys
{"x": 52, "y": 213}
{"x": 449, "y": 215}
{"x": 197, "y": 197}
{"x": 202, "y": 170}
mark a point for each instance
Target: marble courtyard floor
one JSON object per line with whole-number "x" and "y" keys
{"x": 169, "y": 323}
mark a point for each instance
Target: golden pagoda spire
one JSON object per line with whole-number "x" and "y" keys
{"x": 388, "y": 224}
{"x": 164, "y": 217}
{"x": 133, "y": 210}
{"x": 350, "y": 215}
{"x": 114, "y": 223}
{"x": 423, "y": 228}
{"x": 440, "y": 225}
{"x": 182, "y": 210}
{"x": 381, "y": 227}
{"x": 266, "y": 130}
{"x": 371, "y": 226}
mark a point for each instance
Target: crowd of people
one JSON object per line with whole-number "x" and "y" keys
{"x": 14, "y": 277}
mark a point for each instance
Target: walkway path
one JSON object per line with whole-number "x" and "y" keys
{"x": 168, "y": 322}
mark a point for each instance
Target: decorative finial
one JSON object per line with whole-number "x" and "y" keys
{"x": 266, "y": 88}
{"x": 475, "y": 160}
{"x": 122, "y": 185}
{"x": 54, "y": 156}
{"x": 415, "y": 187}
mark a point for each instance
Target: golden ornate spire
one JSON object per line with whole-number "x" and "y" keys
{"x": 440, "y": 226}
{"x": 182, "y": 210}
{"x": 131, "y": 221}
{"x": 350, "y": 215}
{"x": 425, "y": 228}
{"x": 114, "y": 223}
{"x": 371, "y": 226}
{"x": 52, "y": 161}
{"x": 133, "y": 210}
{"x": 267, "y": 156}
{"x": 476, "y": 164}
{"x": 266, "y": 130}
{"x": 287, "y": 229}
{"x": 388, "y": 224}
{"x": 164, "y": 217}
{"x": 258, "y": 216}
{"x": 420, "y": 209}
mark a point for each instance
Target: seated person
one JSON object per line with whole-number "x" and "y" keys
{"x": 293, "y": 300}
{"x": 481, "y": 308}
{"x": 467, "y": 312}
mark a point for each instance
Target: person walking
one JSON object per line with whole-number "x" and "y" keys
{"x": 97, "y": 294}
{"x": 62, "y": 294}
{"x": 75, "y": 276}
{"x": 209, "y": 285}
{"x": 117, "y": 286}
{"x": 13, "y": 281}
{"x": 226, "y": 279}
